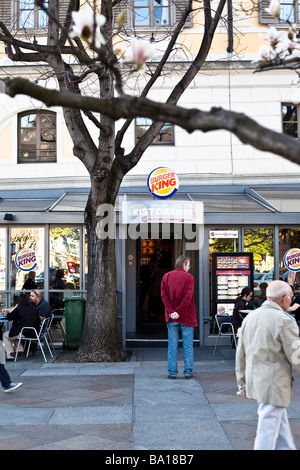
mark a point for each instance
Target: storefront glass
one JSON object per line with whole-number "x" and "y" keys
{"x": 64, "y": 262}
{"x": 220, "y": 240}
{"x": 288, "y": 238}
{"x": 27, "y": 255}
{"x": 2, "y": 265}
{"x": 260, "y": 242}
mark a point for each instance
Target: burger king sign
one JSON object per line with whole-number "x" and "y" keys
{"x": 26, "y": 259}
{"x": 163, "y": 182}
{"x": 292, "y": 259}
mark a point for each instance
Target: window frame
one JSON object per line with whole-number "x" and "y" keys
{"x": 39, "y": 158}
{"x": 154, "y": 143}
{"x": 297, "y": 122}
{"x": 35, "y": 16}
{"x": 151, "y": 7}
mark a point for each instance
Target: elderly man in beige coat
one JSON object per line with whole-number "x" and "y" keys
{"x": 268, "y": 349}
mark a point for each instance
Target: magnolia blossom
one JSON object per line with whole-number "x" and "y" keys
{"x": 87, "y": 26}
{"x": 139, "y": 52}
{"x": 274, "y": 8}
{"x": 266, "y": 53}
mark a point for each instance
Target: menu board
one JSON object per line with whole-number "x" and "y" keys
{"x": 231, "y": 272}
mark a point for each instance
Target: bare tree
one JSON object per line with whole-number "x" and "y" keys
{"x": 107, "y": 162}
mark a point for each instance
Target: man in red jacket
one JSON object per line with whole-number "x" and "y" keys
{"x": 177, "y": 293}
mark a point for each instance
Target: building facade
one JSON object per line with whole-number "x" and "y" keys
{"x": 250, "y": 198}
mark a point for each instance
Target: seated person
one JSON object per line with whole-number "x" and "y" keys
{"x": 240, "y": 304}
{"x": 22, "y": 315}
{"x": 294, "y": 309}
{"x": 41, "y": 305}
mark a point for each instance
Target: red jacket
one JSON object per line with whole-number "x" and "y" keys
{"x": 177, "y": 293}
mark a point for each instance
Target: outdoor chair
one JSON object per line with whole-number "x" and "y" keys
{"x": 225, "y": 328}
{"x": 58, "y": 315}
{"x": 35, "y": 336}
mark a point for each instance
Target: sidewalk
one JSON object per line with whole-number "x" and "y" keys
{"x": 130, "y": 405}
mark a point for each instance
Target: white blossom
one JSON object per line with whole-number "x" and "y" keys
{"x": 87, "y": 26}
{"x": 274, "y": 8}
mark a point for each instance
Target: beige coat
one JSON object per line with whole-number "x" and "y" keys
{"x": 268, "y": 348}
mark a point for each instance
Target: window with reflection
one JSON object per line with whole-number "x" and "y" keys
{"x": 37, "y": 137}
{"x": 151, "y": 13}
{"x": 30, "y": 16}
{"x": 64, "y": 262}
{"x": 290, "y": 120}
{"x": 164, "y": 137}
{"x": 289, "y": 11}
{"x": 289, "y": 238}
{"x": 2, "y": 258}
{"x": 27, "y": 255}
{"x": 260, "y": 241}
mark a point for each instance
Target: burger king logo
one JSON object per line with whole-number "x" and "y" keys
{"x": 163, "y": 182}
{"x": 292, "y": 259}
{"x": 26, "y": 259}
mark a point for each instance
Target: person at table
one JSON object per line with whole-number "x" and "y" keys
{"x": 240, "y": 304}
{"x": 294, "y": 309}
{"x": 41, "y": 305}
{"x": 22, "y": 315}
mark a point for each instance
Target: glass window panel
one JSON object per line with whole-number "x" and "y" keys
{"x": 28, "y": 121}
{"x": 290, "y": 120}
{"x": 64, "y": 259}
{"x": 287, "y": 12}
{"x": 26, "y": 4}
{"x": 2, "y": 260}
{"x": 288, "y": 238}
{"x": 261, "y": 243}
{"x": 27, "y": 19}
{"x": 141, "y": 17}
{"x": 141, "y": 3}
{"x": 29, "y": 239}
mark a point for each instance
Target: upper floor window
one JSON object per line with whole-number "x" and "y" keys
{"x": 290, "y": 122}
{"x": 30, "y": 16}
{"x": 151, "y": 13}
{"x": 165, "y": 136}
{"x": 289, "y": 12}
{"x": 37, "y": 137}
{"x": 148, "y": 14}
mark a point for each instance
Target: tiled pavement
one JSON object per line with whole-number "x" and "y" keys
{"x": 130, "y": 406}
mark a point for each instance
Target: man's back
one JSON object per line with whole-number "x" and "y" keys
{"x": 266, "y": 352}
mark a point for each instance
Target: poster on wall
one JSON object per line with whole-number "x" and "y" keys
{"x": 231, "y": 272}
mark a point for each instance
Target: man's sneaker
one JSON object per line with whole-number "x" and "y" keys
{"x": 12, "y": 387}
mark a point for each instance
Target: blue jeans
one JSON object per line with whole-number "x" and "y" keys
{"x": 187, "y": 333}
{"x": 4, "y": 377}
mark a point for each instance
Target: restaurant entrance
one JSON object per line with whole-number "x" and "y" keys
{"x": 155, "y": 258}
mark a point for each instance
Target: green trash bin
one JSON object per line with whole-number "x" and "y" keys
{"x": 74, "y": 318}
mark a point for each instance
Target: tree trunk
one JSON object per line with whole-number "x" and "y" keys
{"x": 101, "y": 339}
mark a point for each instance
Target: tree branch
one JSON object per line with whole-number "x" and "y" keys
{"x": 245, "y": 128}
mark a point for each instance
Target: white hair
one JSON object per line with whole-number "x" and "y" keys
{"x": 275, "y": 292}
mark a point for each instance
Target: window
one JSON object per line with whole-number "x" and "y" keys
{"x": 290, "y": 120}
{"x": 37, "y": 137}
{"x": 289, "y": 11}
{"x": 30, "y": 16}
{"x": 165, "y": 136}
{"x": 151, "y": 13}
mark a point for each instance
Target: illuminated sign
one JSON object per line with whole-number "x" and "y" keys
{"x": 26, "y": 259}
{"x": 163, "y": 182}
{"x": 292, "y": 259}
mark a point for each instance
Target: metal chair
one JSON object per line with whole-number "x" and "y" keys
{"x": 58, "y": 314}
{"x": 225, "y": 327}
{"x": 36, "y": 337}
